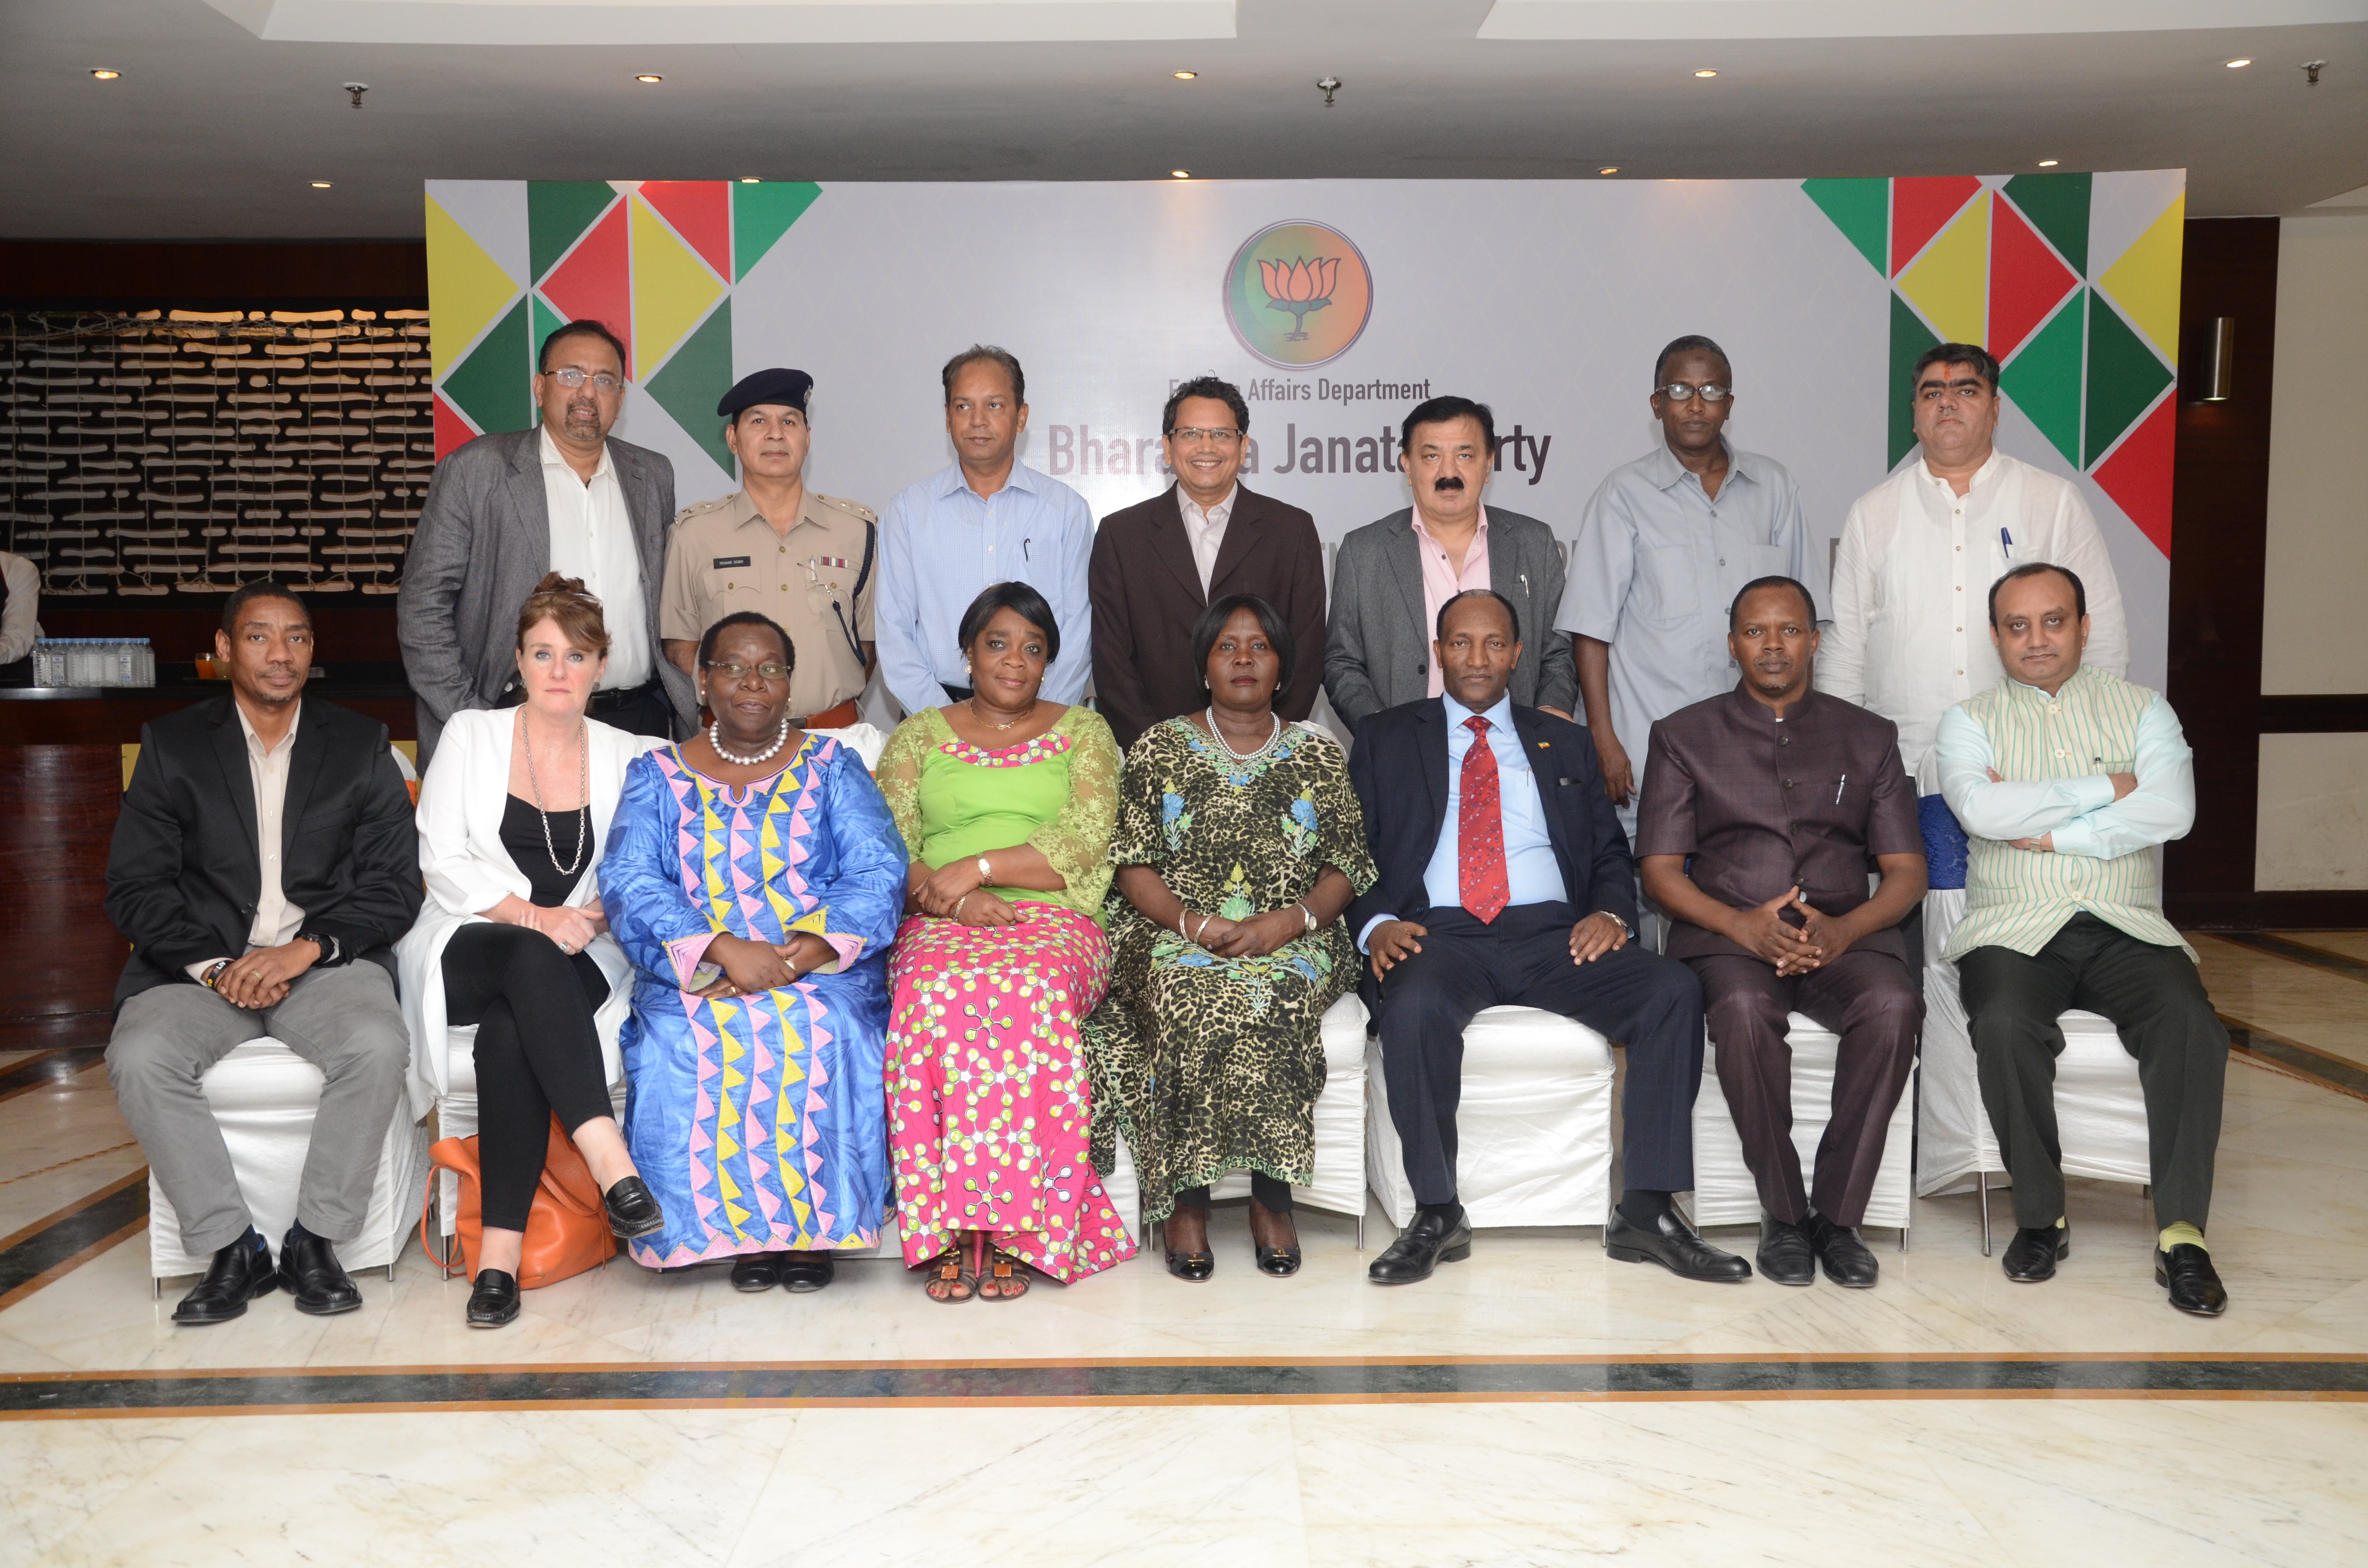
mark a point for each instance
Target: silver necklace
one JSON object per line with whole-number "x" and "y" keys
{"x": 1219, "y": 736}
{"x": 583, "y": 813}
{"x": 715, "y": 739}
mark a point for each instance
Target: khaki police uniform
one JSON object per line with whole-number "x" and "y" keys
{"x": 724, "y": 556}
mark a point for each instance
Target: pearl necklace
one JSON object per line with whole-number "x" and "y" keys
{"x": 582, "y": 814}
{"x": 715, "y": 739}
{"x": 1251, "y": 756}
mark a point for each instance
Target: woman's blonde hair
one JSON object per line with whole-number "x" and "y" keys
{"x": 563, "y": 599}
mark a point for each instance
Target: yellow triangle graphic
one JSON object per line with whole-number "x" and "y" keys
{"x": 734, "y": 1077}
{"x": 738, "y": 1215}
{"x": 731, "y": 1188}
{"x": 725, "y": 1147}
{"x": 772, "y": 863}
{"x": 469, "y": 287}
{"x": 1951, "y": 282}
{"x": 804, "y": 1213}
{"x": 2144, "y": 282}
{"x": 672, "y": 288}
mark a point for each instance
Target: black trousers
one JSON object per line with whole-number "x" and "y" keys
{"x": 1649, "y": 1004}
{"x": 641, "y": 710}
{"x": 1275, "y": 1195}
{"x": 2156, "y": 999}
{"x": 1862, "y": 996}
{"x": 537, "y": 1051}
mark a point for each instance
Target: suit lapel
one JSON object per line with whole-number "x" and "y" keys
{"x": 534, "y": 503}
{"x": 633, "y": 483}
{"x": 1242, "y": 537}
{"x": 1405, "y": 564}
{"x": 238, "y": 781}
{"x": 1431, "y": 742}
{"x": 304, "y": 760}
{"x": 1174, "y": 547}
{"x": 1544, "y": 770}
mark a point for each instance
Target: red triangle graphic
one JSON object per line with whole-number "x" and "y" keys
{"x": 701, "y": 212}
{"x": 1920, "y": 208}
{"x": 2026, "y": 280}
{"x": 453, "y": 430}
{"x": 2137, "y": 476}
{"x": 596, "y": 281}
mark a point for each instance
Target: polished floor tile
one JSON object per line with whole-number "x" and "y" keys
{"x": 2327, "y": 1012}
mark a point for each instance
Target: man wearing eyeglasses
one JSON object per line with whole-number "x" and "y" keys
{"x": 1919, "y": 553}
{"x": 1665, "y": 545}
{"x": 1158, "y": 564}
{"x": 509, "y": 506}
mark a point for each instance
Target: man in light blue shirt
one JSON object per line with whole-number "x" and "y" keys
{"x": 1665, "y": 544}
{"x": 986, "y": 519}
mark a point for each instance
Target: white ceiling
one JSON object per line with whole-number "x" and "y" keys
{"x": 228, "y": 108}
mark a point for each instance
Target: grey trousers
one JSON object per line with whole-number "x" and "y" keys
{"x": 343, "y": 1021}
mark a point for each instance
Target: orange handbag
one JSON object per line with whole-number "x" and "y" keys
{"x": 566, "y": 1231}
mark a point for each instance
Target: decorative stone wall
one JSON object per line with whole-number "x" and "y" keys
{"x": 188, "y": 452}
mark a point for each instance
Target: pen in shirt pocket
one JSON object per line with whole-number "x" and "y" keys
{"x": 1837, "y": 787}
{"x": 1026, "y": 556}
{"x": 2006, "y": 542}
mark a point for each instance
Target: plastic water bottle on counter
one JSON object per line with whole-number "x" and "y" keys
{"x": 94, "y": 661}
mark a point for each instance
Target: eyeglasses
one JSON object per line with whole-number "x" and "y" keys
{"x": 772, "y": 672}
{"x": 1710, "y": 391}
{"x": 571, "y": 378}
{"x": 1194, "y": 435}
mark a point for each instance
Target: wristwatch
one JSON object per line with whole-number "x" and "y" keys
{"x": 331, "y": 951}
{"x": 985, "y": 872}
{"x": 213, "y": 972}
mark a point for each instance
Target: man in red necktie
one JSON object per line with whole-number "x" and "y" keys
{"x": 1506, "y": 882}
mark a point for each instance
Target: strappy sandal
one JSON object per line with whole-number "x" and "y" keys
{"x": 949, "y": 1282}
{"x": 1005, "y": 1280}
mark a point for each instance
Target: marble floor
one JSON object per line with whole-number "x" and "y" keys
{"x": 1538, "y": 1404}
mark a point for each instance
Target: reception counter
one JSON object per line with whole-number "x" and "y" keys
{"x": 62, "y": 766}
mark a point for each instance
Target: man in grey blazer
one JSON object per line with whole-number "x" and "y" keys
{"x": 1391, "y": 576}
{"x": 508, "y": 507}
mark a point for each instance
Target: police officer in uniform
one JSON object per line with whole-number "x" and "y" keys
{"x": 803, "y": 559}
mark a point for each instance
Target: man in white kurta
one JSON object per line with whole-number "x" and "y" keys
{"x": 1919, "y": 553}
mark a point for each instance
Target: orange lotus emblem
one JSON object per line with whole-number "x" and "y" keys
{"x": 1299, "y": 288}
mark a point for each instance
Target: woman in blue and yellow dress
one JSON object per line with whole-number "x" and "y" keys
{"x": 754, "y": 878}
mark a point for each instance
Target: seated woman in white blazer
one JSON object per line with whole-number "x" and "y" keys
{"x": 513, "y": 814}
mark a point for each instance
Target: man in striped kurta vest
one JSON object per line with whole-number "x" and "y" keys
{"x": 2065, "y": 779}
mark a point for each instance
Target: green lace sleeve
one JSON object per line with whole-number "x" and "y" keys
{"x": 899, "y": 776}
{"x": 1076, "y": 843}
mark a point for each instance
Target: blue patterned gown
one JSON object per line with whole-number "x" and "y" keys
{"x": 758, "y": 1122}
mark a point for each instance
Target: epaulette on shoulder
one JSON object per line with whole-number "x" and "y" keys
{"x": 852, "y": 508}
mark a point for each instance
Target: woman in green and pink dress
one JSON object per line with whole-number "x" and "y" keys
{"x": 1006, "y": 802}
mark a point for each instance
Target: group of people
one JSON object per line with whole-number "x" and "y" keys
{"x": 945, "y": 987}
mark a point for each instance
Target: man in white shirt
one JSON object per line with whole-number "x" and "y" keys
{"x": 510, "y": 507}
{"x": 1919, "y": 552}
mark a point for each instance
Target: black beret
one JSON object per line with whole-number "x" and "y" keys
{"x": 785, "y": 387}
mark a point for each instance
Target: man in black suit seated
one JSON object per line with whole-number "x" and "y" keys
{"x": 231, "y": 943}
{"x": 1506, "y": 882}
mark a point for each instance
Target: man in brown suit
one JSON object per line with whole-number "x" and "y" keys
{"x": 1785, "y": 798}
{"x": 1157, "y": 565}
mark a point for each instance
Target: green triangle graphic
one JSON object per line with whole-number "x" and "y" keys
{"x": 546, "y": 322}
{"x": 2044, "y": 378}
{"x": 490, "y": 384}
{"x": 2058, "y": 206}
{"x": 761, "y": 214}
{"x": 1860, "y": 209}
{"x": 1910, "y": 337}
{"x": 2124, "y": 377}
{"x": 694, "y": 381}
{"x": 557, "y": 211}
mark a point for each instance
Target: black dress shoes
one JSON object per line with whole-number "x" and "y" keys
{"x": 239, "y": 1273}
{"x": 1280, "y": 1262}
{"x": 2032, "y": 1256}
{"x": 1432, "y": 1239}
{"x": 494, "y": 1301}
{"x": 1192, "y": 1267}
{"x": 309, "y": 1270}
{"x": 632, "y": 1210}
{"x": 1847, "y": 1261}
{"x": 806, "y": 1271}
{"x": 755, "y": 1271}
{"x": 1785, "y": 1254}
{"x": 2194, "y": 1283}
{"x": 1667, "y": 1242}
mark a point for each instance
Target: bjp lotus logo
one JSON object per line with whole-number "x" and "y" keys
{"x": 1289, "y": 277}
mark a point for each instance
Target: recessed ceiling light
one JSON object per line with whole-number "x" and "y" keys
{"x": 1705, "y": 73}
{"x": 106, "y": 75}
{"x": 749, "y": 179}
{"x": 2238, "y": 64}
{"x": 2046, "y": 163}
{"x": 648, "y": 76}
{"x": 320, "y": 185}
{"x": 1180, "y": 174}
{"x": 1609, "y": 169}
{"x": 1186, "y": 75}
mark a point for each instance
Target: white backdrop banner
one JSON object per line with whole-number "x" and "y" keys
{"x": 1336, "y": 306}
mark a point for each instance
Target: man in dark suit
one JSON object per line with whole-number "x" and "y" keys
{"x": 508, "y": 507}
{"x": 265, "y": 845}
{"x": 1506, "y": 882}
{"x": 1158, "y": 564}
